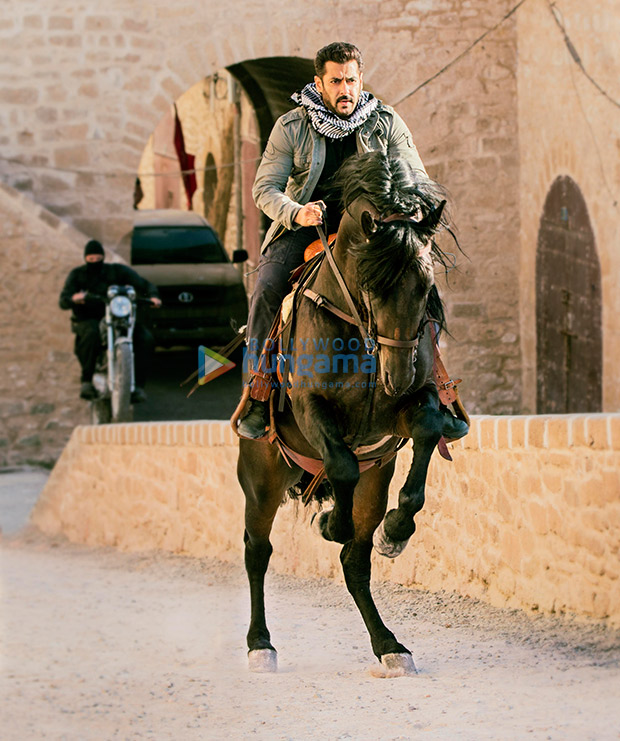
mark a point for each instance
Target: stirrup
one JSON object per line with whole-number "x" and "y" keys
{"x": 255, "y": 424}
{"x": 454, "y": 428}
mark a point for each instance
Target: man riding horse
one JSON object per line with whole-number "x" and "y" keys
{"x": 335, "y": 119}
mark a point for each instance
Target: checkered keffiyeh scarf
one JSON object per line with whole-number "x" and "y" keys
{"x": 328, "y": 123}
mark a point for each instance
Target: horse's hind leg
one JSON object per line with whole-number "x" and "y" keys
{"x": 368, "y": 508}
{"x": 264, "y": 478}
{"x": 423, "y": 424}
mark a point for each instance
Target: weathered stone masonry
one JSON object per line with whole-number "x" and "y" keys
{"x": 84, "y": 87}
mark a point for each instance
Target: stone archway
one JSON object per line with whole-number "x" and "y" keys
{"x": 269, "y": 83}
{"x": 569, "y": 355}
{"x": 226, "y": 119}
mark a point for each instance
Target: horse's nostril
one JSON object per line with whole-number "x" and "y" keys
{"x": 394, "y": 388}
{"x": 391, "y": 388}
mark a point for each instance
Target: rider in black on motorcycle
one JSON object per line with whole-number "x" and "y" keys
{"x": 93, "y": 279}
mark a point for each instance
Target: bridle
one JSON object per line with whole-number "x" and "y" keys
{"x": 369, "y": 336}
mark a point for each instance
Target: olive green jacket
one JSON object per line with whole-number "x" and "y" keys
{"x": 295, "y": 154}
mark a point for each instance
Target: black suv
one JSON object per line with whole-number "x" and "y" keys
{"x": 202, "y": 292}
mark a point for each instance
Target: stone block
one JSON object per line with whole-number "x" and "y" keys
{"x": 598, "y": 432}
{"x": 552, "y": 480}
{"x": 12, "y": 408}
{"x": 72, "y": 41}
{"x": 578, "y": 431}
{"x": 30, "y": 441}
{"x": 557, "y": 432}
{"x": 42, "y": 408}
{"x": 538, "y": 517}
{"x": 614, "y": 431}
{"x": 60, "y": 23}
{"x": 486, "y": 434}
{"x": 74, "y": 156}
{"x": 135, "y": 26}
{"x": 592, "y": 543}
{"x": 591, "y": 491}
{"x": 19, "y": 96}
{"x": 511, "y": 550}
{"x": 536, "y": 431}
{"x": 518, "y": 435}
{"x": 33, "y": 22}
{"x": 504, "y": 506}
{"x": 100, "y": 23}
{"x": 89, "y": 90}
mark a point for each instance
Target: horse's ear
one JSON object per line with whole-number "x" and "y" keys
{"x": 368, "y": 223}
{"x": 433, "y": 217}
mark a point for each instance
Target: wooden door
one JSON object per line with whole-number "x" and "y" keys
{"x": 569, "y": 343}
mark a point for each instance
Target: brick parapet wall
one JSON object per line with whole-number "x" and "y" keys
{"x": 527, "y": 515}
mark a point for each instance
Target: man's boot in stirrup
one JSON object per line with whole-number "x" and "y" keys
{"x": 255, "y": 424}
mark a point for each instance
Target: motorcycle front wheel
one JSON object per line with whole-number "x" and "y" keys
{"x": 122, "y": 411}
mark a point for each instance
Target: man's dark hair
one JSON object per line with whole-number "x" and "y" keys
{"x": 339, "y": 52}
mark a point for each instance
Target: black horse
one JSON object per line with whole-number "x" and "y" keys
{"x": 360, "y": 383}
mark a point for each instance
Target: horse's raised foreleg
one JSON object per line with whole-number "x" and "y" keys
{"x": 423, "y": 424}
{"x": 368, "y": 509}
{"x": 342, "y": 470}
{"x": 264, "y": 477}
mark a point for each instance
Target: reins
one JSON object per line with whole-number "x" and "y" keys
{"x": 354, "y": 318}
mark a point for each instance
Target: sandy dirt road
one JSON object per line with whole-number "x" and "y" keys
{"x": 98, "y": 644}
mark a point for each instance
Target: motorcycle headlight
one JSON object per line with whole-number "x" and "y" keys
{"x": 120, "y": 306}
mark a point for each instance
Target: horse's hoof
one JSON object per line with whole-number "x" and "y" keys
{"x": 386, "y": 547}
{"x": 263, "y": 660}
{"x": 398, "y": 665}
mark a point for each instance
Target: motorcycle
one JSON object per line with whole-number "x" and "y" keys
{"x": 114, "y": 378}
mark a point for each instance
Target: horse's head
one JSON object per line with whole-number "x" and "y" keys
{"x": 391, "y": 215}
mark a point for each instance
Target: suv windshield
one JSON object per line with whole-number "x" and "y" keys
{"x": 160, "y": 245}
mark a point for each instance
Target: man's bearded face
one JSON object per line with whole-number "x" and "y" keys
{"x": 340, "y": 87}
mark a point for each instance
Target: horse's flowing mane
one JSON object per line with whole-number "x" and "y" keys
{"x": 393, "y": 187}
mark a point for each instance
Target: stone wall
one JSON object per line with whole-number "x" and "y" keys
{"x": 39, "y": 382}
{"x": 84, "y": 87}
{"x": 567, "y": 127}
{"x": 527, "y": 515}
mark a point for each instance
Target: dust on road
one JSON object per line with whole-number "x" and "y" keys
{"x": 99, "y": 644}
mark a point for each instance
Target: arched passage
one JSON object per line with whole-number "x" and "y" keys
{"x": 226, "y": 131}
{"x": 569, "y": 357}
{"x": 269, "y": 82}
